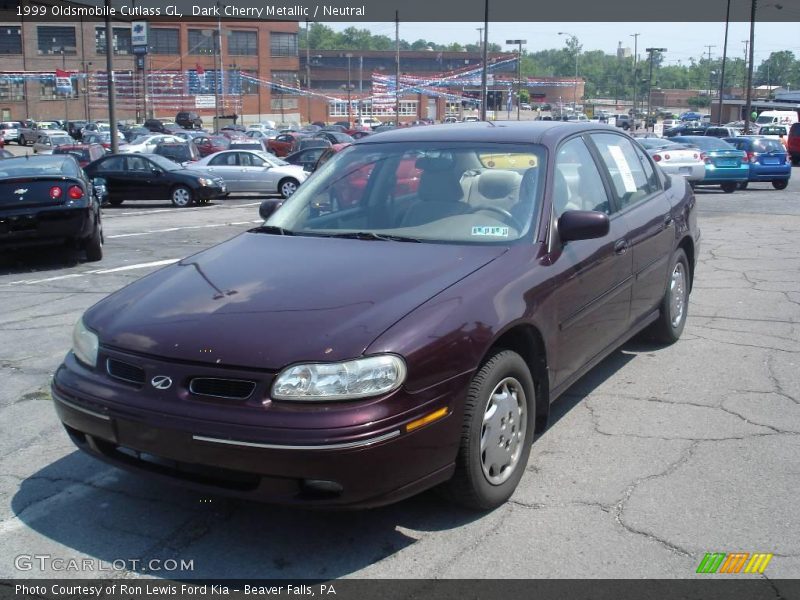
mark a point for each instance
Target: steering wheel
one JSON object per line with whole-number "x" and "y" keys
{"x": 508, "y": 218}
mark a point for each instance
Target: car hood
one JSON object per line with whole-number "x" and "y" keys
{"x": 265, "y": 301}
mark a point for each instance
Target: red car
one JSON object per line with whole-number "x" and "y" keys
{"x": 793, "y": 143}
{"x": 83, "y": 153}
{"x": 284, "y": 144}
{"x": 211, "y": 144}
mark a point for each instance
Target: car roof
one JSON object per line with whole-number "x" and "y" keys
{"x": 497, "y": 131}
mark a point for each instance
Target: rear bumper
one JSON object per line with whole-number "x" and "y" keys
{"x": 770, "y": 173}
{"x": 689, "y": 172}
{"x": 723, "y": 175}
{"x": 32, "y": 227}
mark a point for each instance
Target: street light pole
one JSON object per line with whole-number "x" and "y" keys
{"x": 519, "y": 70}
{"x": 349, "y": 102}
{"x": 575, "y": 90}
{"x": 66, "y": 94}
{"x": 308, "y": 73}
{"x": 635, "y": 37}
{"x": 650, "y": 52}
{"x": 485, "y": 57}
{"x": 748, "y": 101}
{"x": 724, "y": 56}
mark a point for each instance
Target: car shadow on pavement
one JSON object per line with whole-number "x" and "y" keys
{"x": 111, "y": 515}
{"x": 85, "y": 508}
{"x": 34, "y": 260}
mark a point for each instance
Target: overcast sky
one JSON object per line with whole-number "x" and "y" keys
{"x": 682, "y": 40}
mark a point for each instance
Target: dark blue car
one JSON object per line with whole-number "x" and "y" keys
{"x": 768, "y": 160}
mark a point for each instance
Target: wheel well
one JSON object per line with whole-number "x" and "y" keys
{"x": 687, "y": 245}
{"x": 527, "y": 341}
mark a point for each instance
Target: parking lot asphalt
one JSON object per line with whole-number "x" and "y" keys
{"x": 654, "y": 458}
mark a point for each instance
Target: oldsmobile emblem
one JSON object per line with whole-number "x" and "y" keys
{"x": 161, "y": 382}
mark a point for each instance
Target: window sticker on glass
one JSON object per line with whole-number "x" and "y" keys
{"x": 624, "y": 168}
{"x": 490, "y": 231}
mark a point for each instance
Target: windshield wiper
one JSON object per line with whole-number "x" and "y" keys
{"x": 272, "y": 229}
{"x": 369, "y": 235}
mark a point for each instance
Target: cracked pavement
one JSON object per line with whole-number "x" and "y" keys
{"x": 658, "y": 455}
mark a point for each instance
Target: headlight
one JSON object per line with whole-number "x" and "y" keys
{"x": 348, "y": 380}
{"x": 85, "y": 344}
{"x": 204, "y": 181}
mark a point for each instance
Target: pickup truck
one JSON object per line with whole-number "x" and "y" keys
{"x": 29, "y": 131}
{"x": 625, "y": 122}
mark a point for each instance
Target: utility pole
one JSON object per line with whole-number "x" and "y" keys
{"x": 724, "y": 56}
{"x": 221, "y": 58}
{"x": 748, "y": 97}
{"x": 485, "y": 55}
{"x": 650, "y": 52}
{"x": 112, "y": 105}
{"x": 308, "y": 73}
{"x": 635, "y": 37}
{"x": 744, "y": 79}
{"x": 397, "y": 68}
{"x": 519, "y": 70}
{"x": 709, "y": 46}
{"x": 349, "y": 101}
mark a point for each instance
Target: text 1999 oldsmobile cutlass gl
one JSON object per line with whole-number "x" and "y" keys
{"x": 354, "y": 355}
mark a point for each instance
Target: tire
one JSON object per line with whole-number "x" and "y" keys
{"x": 743, "y": 185}
{"x": 115, "y": 201}
{"x": 181, "y": 196}
{"x": 796, "y": 160}
{"x": 729, "y": 187}
{"x": 478, "y": 483}
{"x": 94, "y": 245}
{"x": 780, "y": 184}
{"x": 669, "y": 326}
{"x": 22, "y": 141}
{"x": 287, "y": 187}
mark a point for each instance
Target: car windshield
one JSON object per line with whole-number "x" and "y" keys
{"x": 42, "y": 165}
{"x": 272, "y": 159}
{"x": 655, "y": 143}
{"x": 164, "y": 163}
{"x": 79, "y": 153}
{"x": 60, "y": 140}
{"x": 437, "y": 192}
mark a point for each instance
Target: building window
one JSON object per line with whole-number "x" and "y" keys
{"x": 243, "y": 43}
{"x": 10, "y": 40}
{"x": 55, "y": 40}
{"x": 283, "y": 103}
{"x": 201, "y": 41}
{"x": 12, "y": 89}
{"x": 367, "y": 108}
{"x": 286, "y": 77}
{"x": 48, "y": 90}
{"x": 283, "y": 44}
{"x": 121, "y": 42}
{"x": 164, "y": 41}
{"x": 249, "y": 86}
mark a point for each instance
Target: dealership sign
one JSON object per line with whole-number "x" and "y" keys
{"x": 139, "y": 33}
{"x": 204, "y": 102}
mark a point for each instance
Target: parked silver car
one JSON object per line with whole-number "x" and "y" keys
{"x": 9, "y": 131}
{"x": 47, "y": 140}
{"x": 675, "y": 159}
{"x": 254, "y": 171}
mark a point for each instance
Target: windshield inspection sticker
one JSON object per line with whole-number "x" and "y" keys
{"x": 491, "y": 231}
{"x": 624, "y": 168}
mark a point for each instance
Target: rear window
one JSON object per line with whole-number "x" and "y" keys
{"x": 768, "y": 146}
{"x": 79, "y": 154}
{"x": 38, "y": 165}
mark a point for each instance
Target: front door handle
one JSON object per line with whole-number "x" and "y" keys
{"x": 667, "y": 221}
{"x": 621, "y": 247}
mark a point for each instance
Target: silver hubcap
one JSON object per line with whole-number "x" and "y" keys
{"x": 288, "y": 188}
{"x": 181, "y": 196}
{"x": 503, "y": 431}
{"x": 677, "y": 295}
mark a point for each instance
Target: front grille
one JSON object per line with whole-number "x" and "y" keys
{"x": 233, "y": 389}
{"x": 125, "y": 371}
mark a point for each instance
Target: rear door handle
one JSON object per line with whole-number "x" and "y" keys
{"x": 621, "y": 247}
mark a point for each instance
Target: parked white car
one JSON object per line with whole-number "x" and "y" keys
{"x": 147, "y": 143}
{"x": 253, "y": 171}
{"x": 46, "y": 141}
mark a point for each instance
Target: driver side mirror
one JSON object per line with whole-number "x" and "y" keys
{"x": 156, "y": 171}
{"x": 576, "y": 225}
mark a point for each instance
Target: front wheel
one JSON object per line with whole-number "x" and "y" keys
{"x": 499, "y": 416}
{"x": 729, "y": 187}
{"x": 181, "y": 196}
{"x": 780, "y": 184}
{"x": 287, "y": 187}
{"x": 675, "y": 303}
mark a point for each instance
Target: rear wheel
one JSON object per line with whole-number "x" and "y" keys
{"x": 729, "y": 187}
{"x": 674, "y": 304}
{"x": 780, "y": 184}
{"x": 94, "y": 245}
{"x": 22, "y": 141}
{"x": 497, "y": 433}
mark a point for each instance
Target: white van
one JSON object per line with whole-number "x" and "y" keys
{"x": 777, "y": 117}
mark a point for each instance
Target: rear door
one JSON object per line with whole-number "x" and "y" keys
{"x": 226, "y": 165}
{"x": 643, "y": 205}
{"x": 114, "y": 171}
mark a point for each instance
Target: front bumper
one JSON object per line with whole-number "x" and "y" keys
{"x": 369, "y": 462}
{"x": 44, "y": 226}
{"x": 210, "y": 192}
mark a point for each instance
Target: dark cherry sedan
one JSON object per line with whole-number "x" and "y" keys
{"x": 356, "y": 355}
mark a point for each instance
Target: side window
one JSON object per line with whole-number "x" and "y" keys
{"x": 406, "y": 177}
{"x": 226, "y": 159}
{"x": 113, "y": 164}
{"x": 250, "y": 160}
{"x": 577, "y": 182}
{"x": 631, "y": 181}
{"x": 137, "y": 163}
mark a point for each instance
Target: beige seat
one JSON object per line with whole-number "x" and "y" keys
{"x": 439, "y": 193}
{"x": 495, "y": 188}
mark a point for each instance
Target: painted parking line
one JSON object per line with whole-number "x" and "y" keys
{"x": 144, "y": 212}
{"x": 147, "y": 265}
{"x": 171, "y": 229}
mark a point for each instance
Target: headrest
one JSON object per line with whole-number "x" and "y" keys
{"x": 430, "y": 163}
{"x": 498, "y": 184}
